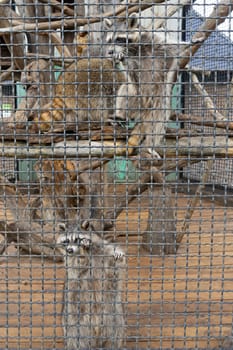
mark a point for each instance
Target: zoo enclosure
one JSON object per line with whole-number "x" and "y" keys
{"x": 160, "y": 314}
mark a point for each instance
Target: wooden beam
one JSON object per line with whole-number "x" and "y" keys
{"x": 199, "y": 146}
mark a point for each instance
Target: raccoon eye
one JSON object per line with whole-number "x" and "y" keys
{"x": 123, "y": 41}
{"x": 120, "y": 41}
{"x": 66, "y": 241}
{"x": 77, "y": 240}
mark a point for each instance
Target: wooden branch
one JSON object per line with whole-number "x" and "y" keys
{"x": 172, "y": 133}
{"x": 61, "y": 47}
{"x": 175, "y": 164}
{"x": 200, "y": 147}
{"x": 223, "y": 124}
{"x": 219, "y": 14}
{"x": 190, "y": 147}
{"x": 7, "y": 73}
{"x": 207, "y": 100}
{"x": 170, "y": 11}
{"x": 70, "y": 149}
{"x": 133, "y": 191}
{"x": 70, "y": 23}
{"x": 57, "y": 60}
{"x": 56, "y": 4}
{"x": 193, "y": 202}
{"x": 38, "y": 82}
{"x": 30, "y": 236}
{"x": 11, "y": 131}
{"x": 105, "y": 221}
{"x": 15, "y": 42}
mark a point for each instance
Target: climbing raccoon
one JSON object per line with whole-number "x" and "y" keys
{"x": 147, "y": 59}
{"x": 87, "y": 91}
{"x": 93, "y": 316}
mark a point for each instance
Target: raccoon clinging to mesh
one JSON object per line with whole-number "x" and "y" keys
{"x": 146, "y": 58}
{"x": 93, "y": 316}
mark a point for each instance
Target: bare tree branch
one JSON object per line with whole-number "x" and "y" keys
{"x": 69, "y": 23}
{"x": 57, "y": 60}
{"x": 61, "y": 47}
{"x": 170, "y": 11}
{"x": 193, "y": 202}
{"x": 15, "y": 42}
{"x": 219, "y": 14}
{"x": 207, "y": 100}
{"x": 223, "y": 124}
{"x": 7, "y": 72}
{"x": 65, "y": 9}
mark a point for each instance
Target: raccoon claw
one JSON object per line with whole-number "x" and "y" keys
{"x": 85, "y": 242}
{"x": 119, "y": 255}
{"x": 118, "y": 58}
{"x": 154, "y": 153}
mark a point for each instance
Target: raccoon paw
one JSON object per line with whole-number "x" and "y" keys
{"x": 153, "y": 152}
{"x": 119, "y": 254}
{"x": 117, "y": 121}
{"x": 118, "y": 58}
{"x": 84, "y": 242}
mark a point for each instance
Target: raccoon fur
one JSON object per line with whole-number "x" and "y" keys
{"x": 93, "y": 316}
{"x": 146, "y": 59}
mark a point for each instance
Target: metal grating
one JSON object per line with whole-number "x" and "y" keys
{"x": 116, "y": 175}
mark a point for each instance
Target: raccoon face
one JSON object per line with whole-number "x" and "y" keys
{"x": 74, "y": 243}
{"x": 121, "y": 37}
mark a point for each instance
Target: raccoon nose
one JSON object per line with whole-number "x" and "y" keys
{"x": 70, "y": 250}
{"x": 110, "y": 53}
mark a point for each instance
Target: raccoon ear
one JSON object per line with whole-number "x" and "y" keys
{"x": 85, "y": 224}
{"x": 62, "y": 227}
{"x": 133, "y": 20}
{"x": 107, "y": 23}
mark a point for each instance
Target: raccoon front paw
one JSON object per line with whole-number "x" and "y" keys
{"x": 84, "y": 242}
{"x": 119, "y": 57}
{"x": 79, "y": 240}
{"x": 117, "y": 121}
{"x": 119, "y": 254}
{"x": 154, "y": 153}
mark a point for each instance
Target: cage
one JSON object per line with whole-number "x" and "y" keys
{"x": 116, "y": 175}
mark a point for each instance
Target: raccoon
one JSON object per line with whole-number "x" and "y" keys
{"x": 146, "y": 58}
{"x": 93, "y": 316}
{"x": 86, "y": 91}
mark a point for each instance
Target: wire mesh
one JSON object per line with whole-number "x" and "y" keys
{"x": 116, "y": 175}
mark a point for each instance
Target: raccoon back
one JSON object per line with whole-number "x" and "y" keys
{"x": 89, "y": 84}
